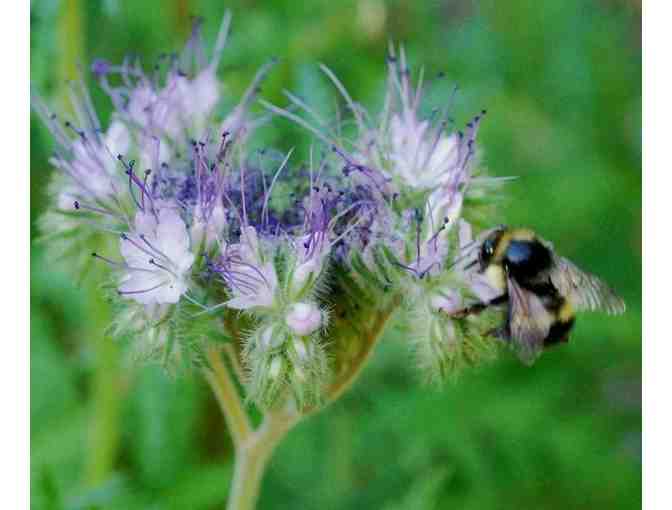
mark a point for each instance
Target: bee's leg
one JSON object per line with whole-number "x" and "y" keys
{"x": 474, "y": 309}
{"x": 477, "y": 308}
{"x": 500, "y": 333}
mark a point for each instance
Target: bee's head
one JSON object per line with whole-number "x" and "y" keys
{"x": 489, "y": 247}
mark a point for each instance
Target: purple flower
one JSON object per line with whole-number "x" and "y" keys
{"x": 205, "y": 229}
{"x": 182, "y": 105}
{"x": 158, "y": 259}
{"x": 89, "y": 164}
{"x": 247, "y": 269}
{"x": 313, "y": 245}
{"x": 419, "y": 156}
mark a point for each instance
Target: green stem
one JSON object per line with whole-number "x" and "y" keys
{"x": 253, "y": 456}
{"x": 108, "y": 385}
{"x": 228, "y": 398}
{"x": 253, "y": 447}
{"x": 107, "y": 389}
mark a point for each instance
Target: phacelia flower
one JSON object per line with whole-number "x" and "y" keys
{"x": 300, "y": 266}
{"x": 158, "y": 258}
{"x": 415, "y": 178}
{"x": 178, "y": 107}
{"x": 85, "y": 156}
{"x": 248, "y": 271}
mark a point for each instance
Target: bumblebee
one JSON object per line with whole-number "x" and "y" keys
{"x": 542, "y": 291}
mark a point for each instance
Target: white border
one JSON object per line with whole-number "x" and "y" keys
{"x": 657, "y": 256}
{"x": 15, "y": 253}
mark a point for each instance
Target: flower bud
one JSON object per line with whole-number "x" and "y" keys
{"x": 303, "y": 318}
{"x": 275, "y": 368}
{"x": 207, "y": 226}
{"x": 300, "y": 350}
{"x": 270, "y": 338}
{"x": 303, "y": 272}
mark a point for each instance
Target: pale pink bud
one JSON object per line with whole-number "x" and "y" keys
{"x": 304, "y": 318}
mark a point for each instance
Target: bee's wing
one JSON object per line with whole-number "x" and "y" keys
{"x": 584, "y": 291}
{"x": 529, "y": 322}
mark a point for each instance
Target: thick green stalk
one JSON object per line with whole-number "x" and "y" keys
{"x": 253, "y": 455}
{"x": 224, "y": 388}
{"x": 253, "y": 448}
{"x": 107, "y": 388}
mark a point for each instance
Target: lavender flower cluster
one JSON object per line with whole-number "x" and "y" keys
{"x": 190, "y": 222}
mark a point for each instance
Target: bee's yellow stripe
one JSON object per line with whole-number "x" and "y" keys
{"x": 502, "y": 246}
{"x": 566, "y": 312}
{"x": 496, "y": 277}
{"x": 523, "y": 234}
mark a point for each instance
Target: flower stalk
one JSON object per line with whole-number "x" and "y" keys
{"x": 224, "y": 388}
{"x": 253, "y": 448}
{"x": 253, "y": 454}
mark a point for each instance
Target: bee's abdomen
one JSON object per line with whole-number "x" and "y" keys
{"x": 559, "y": 332}
{"x": 561, "y": 327}
{"x": 526, "y": 260}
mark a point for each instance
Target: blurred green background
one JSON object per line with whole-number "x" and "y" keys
{"x": 562, "y": 84}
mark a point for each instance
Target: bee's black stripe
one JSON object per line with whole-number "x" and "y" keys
{"x": 559, "y": 332}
